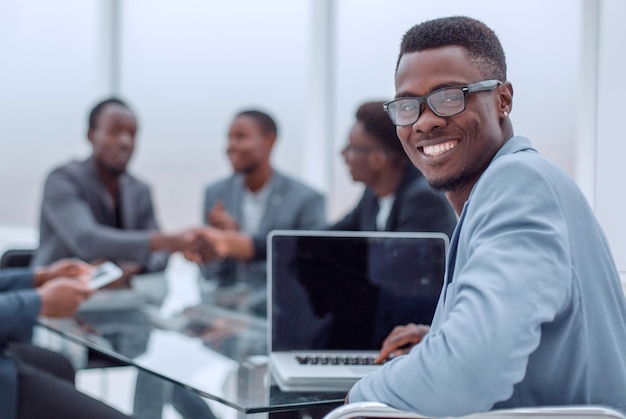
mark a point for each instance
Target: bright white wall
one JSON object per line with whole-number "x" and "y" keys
{"x": 611, "y": 145}
{"x": 48, "y": 78}
{"x": 188, "y": 66}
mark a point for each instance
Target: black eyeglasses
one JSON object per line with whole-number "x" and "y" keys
{"x": 448, "y": 101}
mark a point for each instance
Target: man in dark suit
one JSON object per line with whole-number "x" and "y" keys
{"x": 396, "y": 196}
{"x": 96, "y": 210}
{"x": 35, "y": 382}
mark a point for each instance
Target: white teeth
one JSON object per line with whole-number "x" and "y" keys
{"x": 437, "y": 149}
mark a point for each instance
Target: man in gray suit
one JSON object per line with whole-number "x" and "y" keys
{"x": 95, "y": 210}
{"x": 243, "y": 208}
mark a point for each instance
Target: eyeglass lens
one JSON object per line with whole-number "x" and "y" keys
{"x": 446, "y": 102}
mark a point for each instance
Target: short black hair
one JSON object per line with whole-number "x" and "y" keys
{"x": 378, "y": 124}
{"x": 266, "y": 122}
{"x": 480, "y": 42}
{"x": 97, "y": 110}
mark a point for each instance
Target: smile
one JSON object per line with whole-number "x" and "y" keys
{"x": 438, "y": 149}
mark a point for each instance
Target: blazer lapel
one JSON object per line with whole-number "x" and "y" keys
{"x": 104, "y": 212}
{"x": 128, "y": 209}
{"x": 410, "y": 174}
{"x": 452, "y": 250}
{"x": 232, "y": 201}
{"x": 370, "y": 213}
{"x": 513, "y": 145}
{"x": 274, "y": 204}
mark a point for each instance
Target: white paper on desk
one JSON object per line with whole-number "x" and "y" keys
{"x": 182, "y": 284}
{"x": 187, "y": 360}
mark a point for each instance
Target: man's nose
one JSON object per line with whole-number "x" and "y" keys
{"x": 346, "y": 153}
{"x": 428, "y": 120}
{"x": 231, "y": 146}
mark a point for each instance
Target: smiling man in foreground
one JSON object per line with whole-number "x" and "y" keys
{"x": 532, "y": 312}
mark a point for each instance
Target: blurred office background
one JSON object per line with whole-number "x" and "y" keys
{"x": 187, "y": 66}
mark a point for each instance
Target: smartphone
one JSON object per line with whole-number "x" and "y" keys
{"x": 105, "y": 274}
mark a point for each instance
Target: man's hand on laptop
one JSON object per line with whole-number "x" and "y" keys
{"x": 401, "y": 340}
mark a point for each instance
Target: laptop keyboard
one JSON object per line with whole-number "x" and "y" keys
{"x": 336, "y": 360}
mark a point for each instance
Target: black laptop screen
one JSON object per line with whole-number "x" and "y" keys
{"x": 343, "y": 292}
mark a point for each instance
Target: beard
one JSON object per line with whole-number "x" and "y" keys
{"x": 247, "y": 169}
{"x": 114, "y": 171}
{"x": 453, "y": 183}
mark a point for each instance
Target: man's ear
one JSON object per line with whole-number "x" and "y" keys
{"x": 271, "y": 140}
{"x": 90, "y": 135}
{"x": 505, "y": 96}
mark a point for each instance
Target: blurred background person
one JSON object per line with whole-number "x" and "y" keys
{"x": 243, "y": 208}
{"x": 37, "y": 382}
{"x": 397, "y": 196}
{"x": 95, "y": 210}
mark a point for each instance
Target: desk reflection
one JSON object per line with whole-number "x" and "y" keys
{"x": 216, "y": 352}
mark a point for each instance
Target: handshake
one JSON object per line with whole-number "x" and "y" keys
{"x": 207, "y": 244}
{"x": 219, "y": 240}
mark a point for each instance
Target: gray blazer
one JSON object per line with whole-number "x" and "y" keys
{"x": 532, "y": 312}
{"x": 292, "y": 205}
{"x": 78, "y": 219}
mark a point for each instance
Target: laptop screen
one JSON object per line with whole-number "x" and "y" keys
{"x": 335, "y": 290}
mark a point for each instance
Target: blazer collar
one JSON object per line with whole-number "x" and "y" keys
{"x": 511, "y": 146}
{"x": 126, "y": 194}
{"x": 410, "y": 175}
{"x": 274, "y": 202}
{"x": 278, "y": 185}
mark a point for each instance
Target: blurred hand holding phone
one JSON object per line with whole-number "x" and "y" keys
{"x": 104, "y": 274}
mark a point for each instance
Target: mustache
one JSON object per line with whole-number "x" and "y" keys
{"x": 429, "y": 136}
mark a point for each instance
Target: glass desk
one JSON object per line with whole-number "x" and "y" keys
{"x": 219, "y": 353}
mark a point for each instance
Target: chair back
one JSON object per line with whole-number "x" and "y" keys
{"x": 16, "y": 258}
{"x": 380, "y": 410}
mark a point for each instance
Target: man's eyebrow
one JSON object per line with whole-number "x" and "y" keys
{"x": 404, "y": 94}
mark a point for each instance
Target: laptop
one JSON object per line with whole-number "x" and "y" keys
{"x": 334, "y": 296}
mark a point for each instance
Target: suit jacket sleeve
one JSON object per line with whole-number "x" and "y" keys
{"x": 212, "y": 194}
{"x": 72, "y": 220}
{"x": 309, "y": 214}
{"x": 512, "y": 276}
{"x": 20, "y": 304}
{"x": 156, "y": 261}
{"x": 424, "y": 210}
